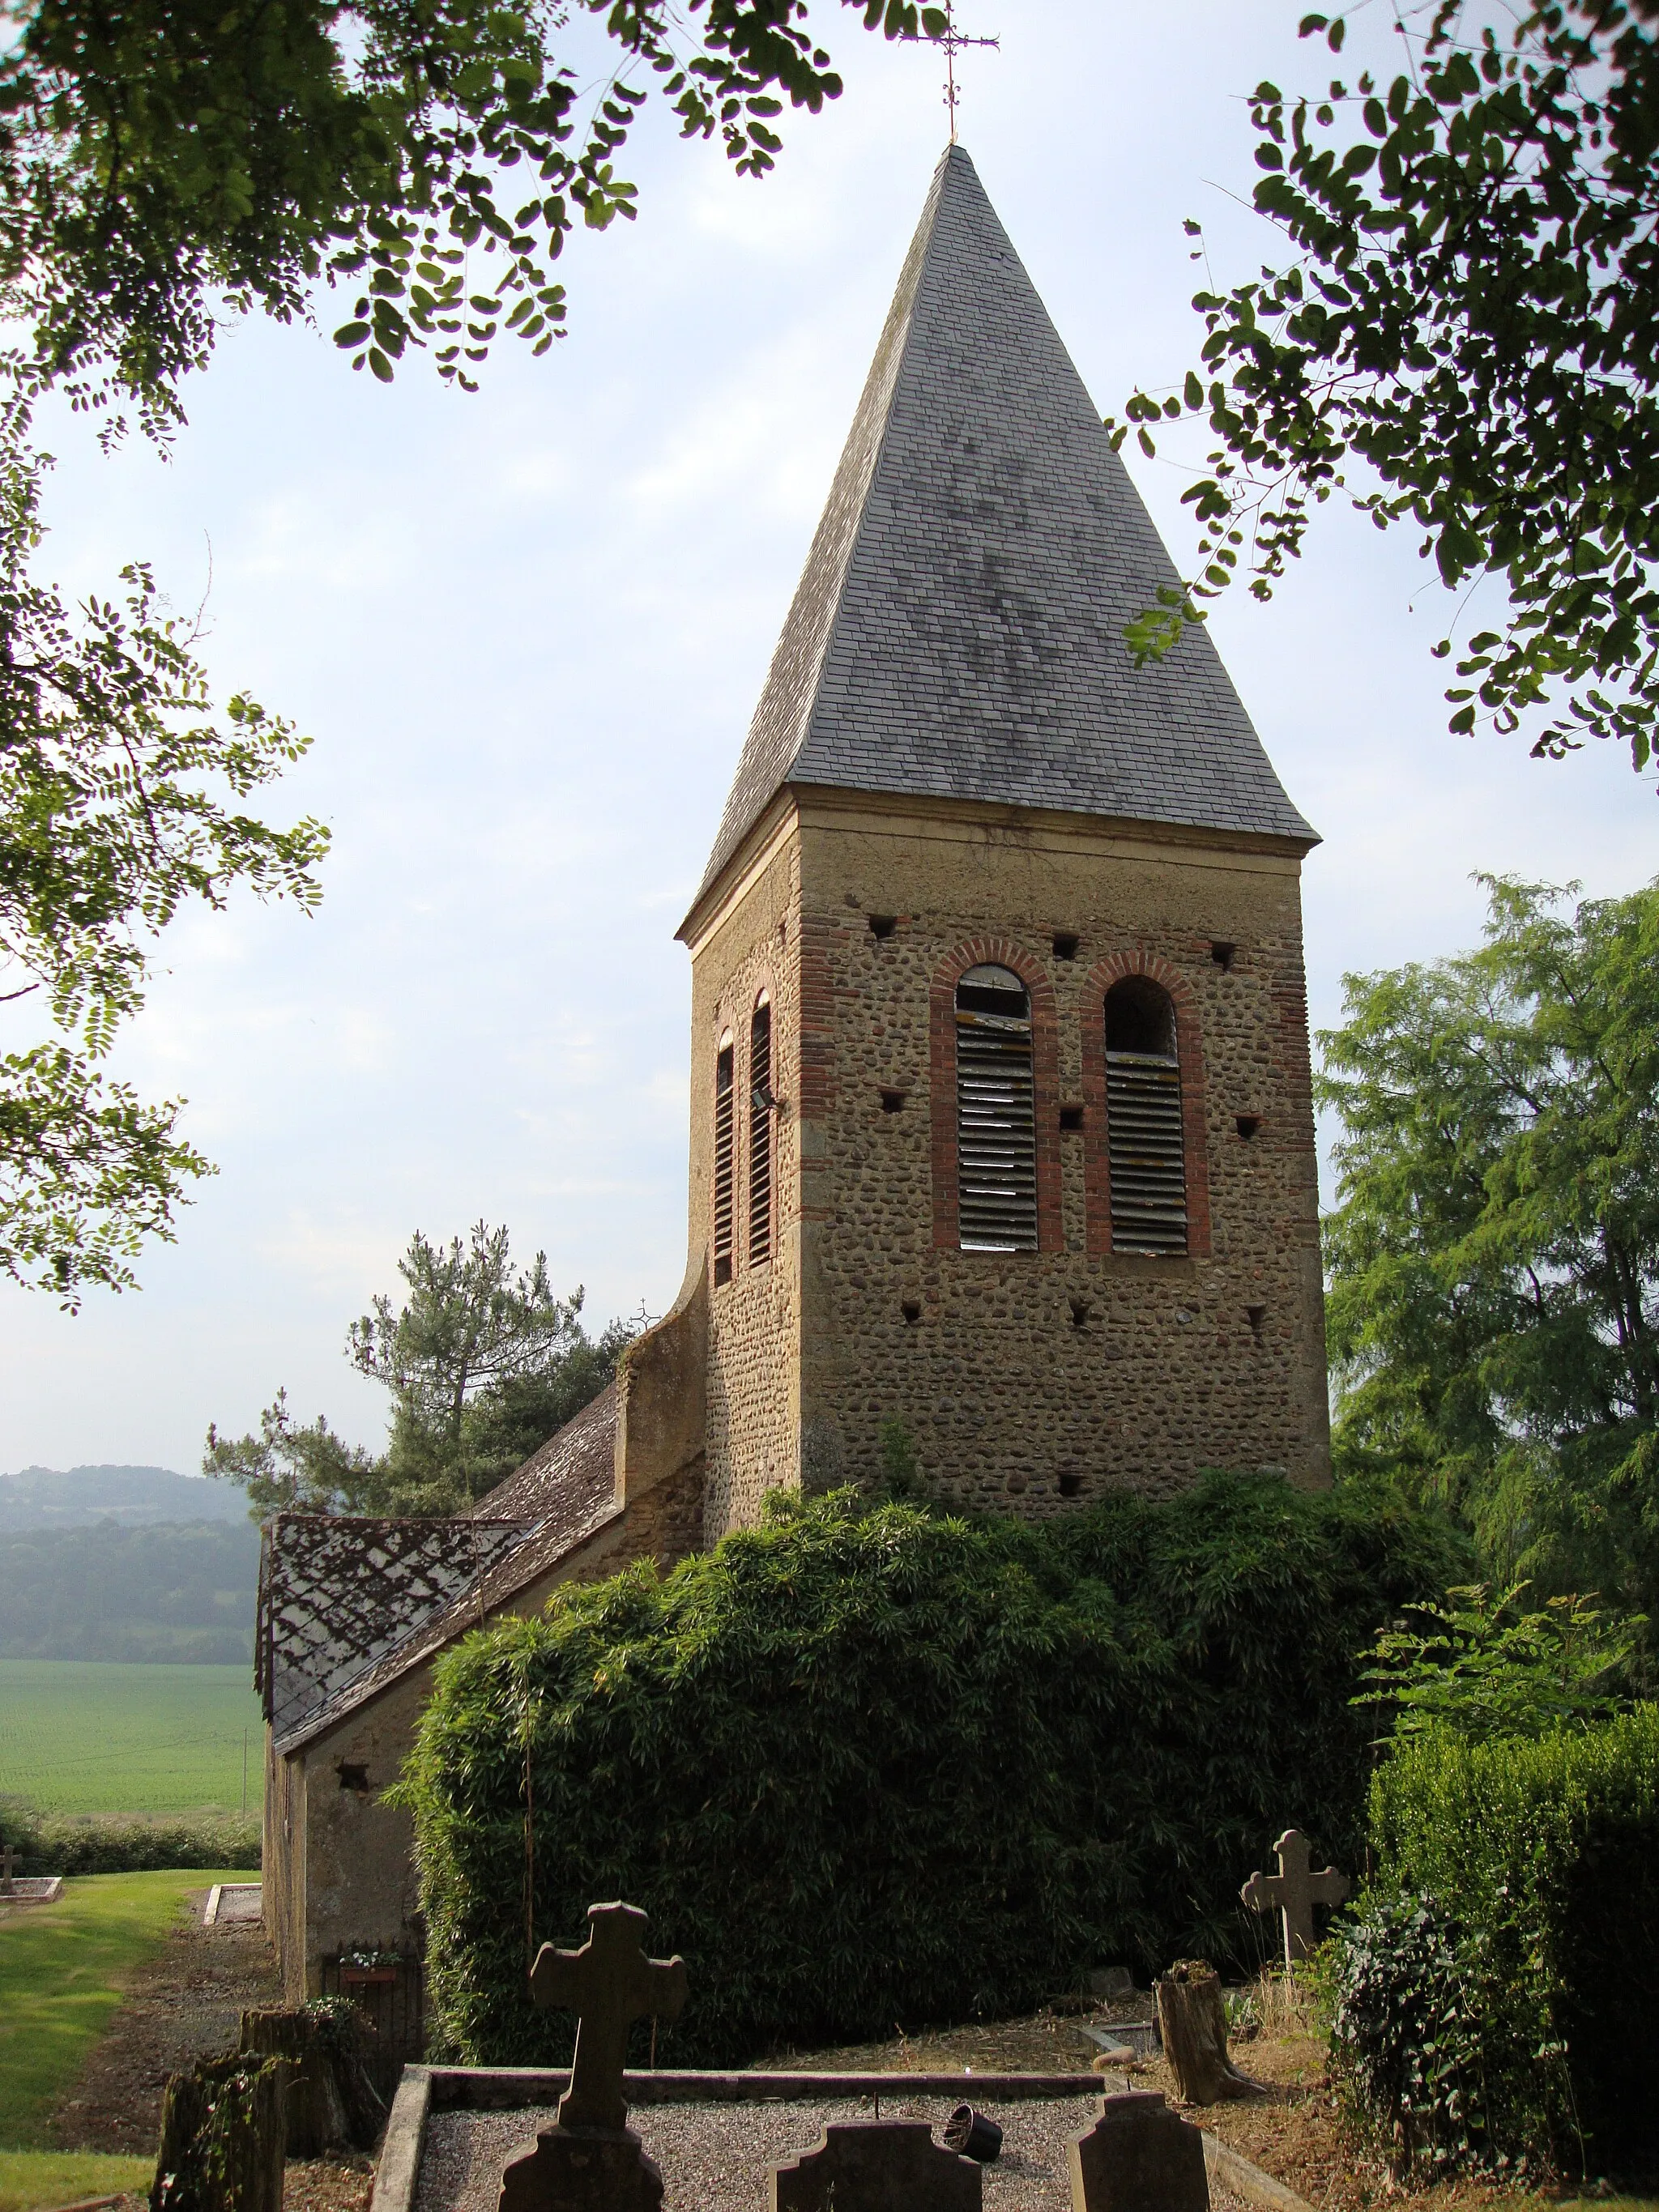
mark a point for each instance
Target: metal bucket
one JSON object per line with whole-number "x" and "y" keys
{"x": 971, "y": 2135}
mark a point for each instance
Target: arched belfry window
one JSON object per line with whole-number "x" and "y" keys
{"x": 1146, "y": 1145}
{"x": 760, "y": 1133}
{"x": 996, "y": 1125}
{"x": 724, "y": 1162}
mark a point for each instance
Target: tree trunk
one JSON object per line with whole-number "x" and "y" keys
{"x": 328, "y": 2096}
{"x": 222, "y": 2131}
{"x": 1192, "y": 2021}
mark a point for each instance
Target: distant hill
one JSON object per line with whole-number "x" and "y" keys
{"x": 182, "y": 1592}
{"x": 44, "y": 1498}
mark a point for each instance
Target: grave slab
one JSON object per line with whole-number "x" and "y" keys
{"x": 885, "y": 2166}
{"x": 581, "y": 2170}
{"x": 1139, "y": 2156}
{"x": 34, "y": 1889}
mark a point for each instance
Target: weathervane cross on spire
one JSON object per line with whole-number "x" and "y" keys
{"x": 953, "y": 41}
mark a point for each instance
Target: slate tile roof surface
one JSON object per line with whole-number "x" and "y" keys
{"x": 958, "y": 631}
{"x": 346, "y": 1606}
{"x": 339, "y": 1592}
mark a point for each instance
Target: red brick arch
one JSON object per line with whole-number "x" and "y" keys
{"x": 1189, "y": 1052}
{"x": 1045, "y": 1071}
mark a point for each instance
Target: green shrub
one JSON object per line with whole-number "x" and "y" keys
{"x": 863, "y": 1766}
{"x": 1523, "y": 1958}
{"x": 1447, "y": 2054}
{"x": 57, "y": 1844}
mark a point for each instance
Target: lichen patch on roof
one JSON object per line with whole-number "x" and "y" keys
{"x": 958, "y": 629}
{"x": 337, "y": 1593}
{"x": 347, "y": 1605}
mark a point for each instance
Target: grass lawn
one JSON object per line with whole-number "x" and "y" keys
{"x": 29, "y": 2179}
{"x": 61, "y": 1969}
{"x": 80, "y": 1736}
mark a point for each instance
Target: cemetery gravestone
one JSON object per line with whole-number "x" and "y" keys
{"x": 1139, "y": 2157}
{"x": 1294, "y": 1890}
{"x": 609, "y": 1984}
{"x": 590, "y": 2160}
{"x": 891, "y": 2166}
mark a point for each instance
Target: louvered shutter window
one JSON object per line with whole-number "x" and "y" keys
{"x": 1145, "y": 1137}
{"x": 996, "y": 1125}
{"x": 760, "y": 1135}
{"x": 723, "y": 1165}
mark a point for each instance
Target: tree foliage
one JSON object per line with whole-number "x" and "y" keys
{"x": 121, "y": 795}
{"x": 1493, "y": 1255}
{"x": 164, "y": 167}
{"x": 163, "y": 1593}
{"x": 1470, "y": 315}
{"x": 484, "y": 1364}
{"x": 160, "y": 161}
{"x": 1477, "y": 1664}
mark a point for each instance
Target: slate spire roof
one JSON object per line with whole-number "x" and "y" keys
{"x": 958, "y": 631}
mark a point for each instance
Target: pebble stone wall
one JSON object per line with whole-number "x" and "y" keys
{"x": 754, "y": 1321}
{"x": 1029, "y": 1382}
{"x": 1032, "y": 1381}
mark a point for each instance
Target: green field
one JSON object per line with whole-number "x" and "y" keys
{"x": 77, "y": 1736}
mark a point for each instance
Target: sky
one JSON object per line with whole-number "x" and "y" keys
{"x": 527, "y": 630}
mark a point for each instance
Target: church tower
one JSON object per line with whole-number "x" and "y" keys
{"x": 1001, "y": 1128}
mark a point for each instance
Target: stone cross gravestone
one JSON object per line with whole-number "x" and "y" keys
{"x": 887, "y": 2165}
{"x": 1139, "y": 2157}
{"x": 609, "y": 1984}
{"x": 590, "y": 2160}
{"x": 1294, "y": 1890}
{"x": 8, "y": 1871}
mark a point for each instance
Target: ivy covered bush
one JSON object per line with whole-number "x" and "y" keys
{"x": 868, "y": 1767}
{"x": 1493, "y": 2001}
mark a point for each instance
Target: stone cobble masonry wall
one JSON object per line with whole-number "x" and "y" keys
{"x": 1032, "y": 1381}
{"x": 754, "y": 1321}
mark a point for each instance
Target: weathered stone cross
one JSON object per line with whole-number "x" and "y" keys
{"x": 1294, "y": 1892}
{"x": 8, "y": 1870}
{"x": 609, "y": 1984}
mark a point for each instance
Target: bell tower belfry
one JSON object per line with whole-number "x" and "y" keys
{"x": 1002, "y": 1128}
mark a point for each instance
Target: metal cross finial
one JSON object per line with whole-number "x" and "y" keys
{"x": 953, "y": 41}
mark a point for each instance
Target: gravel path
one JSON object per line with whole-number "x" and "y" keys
{"x": 715, "y": 2157}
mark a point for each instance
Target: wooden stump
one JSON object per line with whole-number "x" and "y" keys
{"x": 223, "y": 2139}
{"x": 329, "y": 2095}
{"x": 1193, "y": 2021}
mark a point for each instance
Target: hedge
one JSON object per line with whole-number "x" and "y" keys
{"x": 55, "y": 1844}
{"x": 1524, "y": 1876}
{"x": 870, "y": 1766}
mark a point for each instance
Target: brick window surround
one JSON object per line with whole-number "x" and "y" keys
{"x": 995, "y": 952}
{"x": 735, "y": 1035}
{"x": 1097, "y": 1179}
